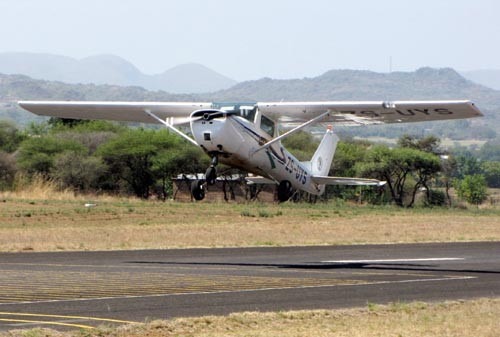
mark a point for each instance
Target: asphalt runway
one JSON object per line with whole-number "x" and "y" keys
{"x": 86, "y": 289}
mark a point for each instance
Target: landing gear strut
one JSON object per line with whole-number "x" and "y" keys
{"x": 285, "y": 191}
{"x": 211, "y": 173}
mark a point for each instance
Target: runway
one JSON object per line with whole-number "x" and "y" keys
{"x": 86, "y": 289}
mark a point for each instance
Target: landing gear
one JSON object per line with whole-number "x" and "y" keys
{"x": 285, "y": 191}
{"x": 198, "y": 189}
{"x": 211, "y": 173}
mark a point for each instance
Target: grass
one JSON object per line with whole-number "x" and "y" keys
{"x": 44, "y": 224}
{"x": 417, "y": 319}
{"x": 38, "y": 217}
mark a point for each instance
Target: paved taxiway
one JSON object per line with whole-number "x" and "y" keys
{"x": 85, "y": 289}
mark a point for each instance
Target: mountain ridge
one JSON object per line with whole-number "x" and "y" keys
{"x": 112, "y": 70}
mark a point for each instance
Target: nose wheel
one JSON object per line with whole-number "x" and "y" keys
{"x": 198, "y": 190}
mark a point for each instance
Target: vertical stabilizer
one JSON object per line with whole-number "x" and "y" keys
{"x": 322, "y": 159}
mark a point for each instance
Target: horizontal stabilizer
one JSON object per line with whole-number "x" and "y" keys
{"x": 259, "y": 180}
{"x": 322, "y": 180}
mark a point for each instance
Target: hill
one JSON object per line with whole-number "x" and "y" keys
{"x": 486, "y": 77}
{"x": 423, "y": 84}
{"x": 18, "y": 87}
{"x": 112, "y": 70}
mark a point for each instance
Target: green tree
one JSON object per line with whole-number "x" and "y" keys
{"x": 7, "y": 170}
{"x": 346, "y": 157}
{"x": 302, "y": 144}
{"x": 472, "y": 188}
{"x": 77, "y": 170}
{"x": 491, "y": 171}
{"x": 37, "y": 154}
{"x": 404, "y": 169}
{"x": 490, "y": 151}
{"x": 429, "y": 144}
{"x": 180, "y": 159}
{"x": 10, "y": 136}
{"x": 130, "y": 157}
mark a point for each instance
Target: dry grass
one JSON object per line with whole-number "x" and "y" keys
{"x": 458, "y": 318}
{"x": 48, "y": 225}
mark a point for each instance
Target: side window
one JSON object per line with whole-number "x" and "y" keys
{"x": 267, "y": 125}
{"x": 248, "y": 114}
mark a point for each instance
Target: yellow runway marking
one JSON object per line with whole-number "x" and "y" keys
{"x": 33, "y": 285}
{"x": 48, "y": 323}
{"x": 65, "y": 316}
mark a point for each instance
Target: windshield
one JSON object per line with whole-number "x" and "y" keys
{"x": 267, "y": 125}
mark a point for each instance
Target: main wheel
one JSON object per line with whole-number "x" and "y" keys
{"x": 211, "y": 175}
{"x": 285, "y": 191}
{"x": 197, "y": 190}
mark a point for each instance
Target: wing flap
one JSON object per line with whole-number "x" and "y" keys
{"x": 115, "y": 111}
{"x": 370, "y": 112}
{"x": 323, "y": 180}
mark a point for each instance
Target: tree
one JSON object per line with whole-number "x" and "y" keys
{"x": 467, "y": 165}
{"x": 37, "y": 154}
{"x": 10, "y": 137}
{"x": 404, "y": 169}
{"x": 490, "y": 151}
{"x": 130, "y": 157}
{"x": 491, "y": 171}
{"x": 170, "y": 162}
{"x": 76, "y": 170}
{"x": 7, "y": 170}
{"x": 301, "y": 144}
{"x": 472, "y": 188}
{"x": 346, "y": 157}
{"x": 428, "y": 144}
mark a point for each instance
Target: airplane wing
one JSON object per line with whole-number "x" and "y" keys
{"x": 179, "y": 112}
{"x": 369, "y": 112}
{"x": 322, "y": 180}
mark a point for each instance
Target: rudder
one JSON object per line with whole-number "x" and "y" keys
{"x": 323, "y": 157}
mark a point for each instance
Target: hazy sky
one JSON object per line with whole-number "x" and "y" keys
{"x": 257, "y": 38}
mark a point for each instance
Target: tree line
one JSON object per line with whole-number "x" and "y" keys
{"x": 105, "y": 157}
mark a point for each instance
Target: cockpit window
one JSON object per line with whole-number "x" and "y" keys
{"x": 267, "y": 125}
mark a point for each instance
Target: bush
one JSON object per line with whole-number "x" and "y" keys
{"x": 472, "y": 188}
{"x": 74, "y": 170}
{"x": 436, "y": 198}
{"x": 7, "y": 170}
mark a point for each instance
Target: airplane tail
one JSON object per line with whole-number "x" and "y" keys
{"x": 323, "y": 157}
{"x": 322, "y": 160}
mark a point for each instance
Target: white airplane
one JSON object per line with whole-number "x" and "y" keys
{"x": 246, "y": 136}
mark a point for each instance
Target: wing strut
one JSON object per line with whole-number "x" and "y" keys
{"x": 170, "y": 127}
{"x": 292, "y": 131}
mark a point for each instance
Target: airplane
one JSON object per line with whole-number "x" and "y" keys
{"x": 246, "y": 135}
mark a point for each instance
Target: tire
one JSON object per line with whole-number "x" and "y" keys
{"x": 284, "y": 191}
{"x": 197, "y": 190}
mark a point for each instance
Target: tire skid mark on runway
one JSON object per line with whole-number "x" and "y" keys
{"x": 190, "y": 267}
